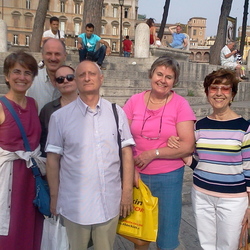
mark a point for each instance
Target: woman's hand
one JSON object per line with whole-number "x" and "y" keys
{"x": 143, "y": 159}
{"x": 246, "y": 218}
{"x": 173, "y": 142}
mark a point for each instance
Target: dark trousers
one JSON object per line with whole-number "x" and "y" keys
{"x": 96, "y": 56}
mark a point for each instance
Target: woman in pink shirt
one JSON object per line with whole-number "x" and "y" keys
{"x": 154, "y": 115}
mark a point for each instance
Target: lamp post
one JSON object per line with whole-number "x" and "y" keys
{"x": 121, "y": 2}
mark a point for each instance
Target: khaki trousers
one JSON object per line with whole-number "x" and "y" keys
{"x": 103, "y": 234}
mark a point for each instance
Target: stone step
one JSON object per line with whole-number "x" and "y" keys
{"x": 3, "y": 87}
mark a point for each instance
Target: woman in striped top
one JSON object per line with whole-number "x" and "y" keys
{"x": 220, "y": 193}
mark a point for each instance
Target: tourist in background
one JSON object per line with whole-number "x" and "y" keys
{"x": 54, "y": 31}
{"x": 20, "y": 221}
{"x": 179, "y": 39}
{"x": 127, "y": 47}
{"x": 228, "y": 60}
{"x": 87, "y": 46}
{"x": 154, "y": 115}
{"x": 152, "y": 31}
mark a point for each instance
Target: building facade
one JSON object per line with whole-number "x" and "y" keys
{"x": 196, "y": 29}
{"x": 19, "y": 17}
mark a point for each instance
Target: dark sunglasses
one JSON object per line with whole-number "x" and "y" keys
{"x": 69, "y": 78}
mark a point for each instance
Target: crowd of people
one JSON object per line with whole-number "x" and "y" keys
{"x": 69, "y": 124}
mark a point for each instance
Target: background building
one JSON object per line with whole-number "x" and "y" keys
{"x": 196, "y": 29}
{"x": 19, "y": 16}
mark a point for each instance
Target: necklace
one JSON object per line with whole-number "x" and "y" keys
{"x": 145, "y": 120}
{"x": 158, "y": 102}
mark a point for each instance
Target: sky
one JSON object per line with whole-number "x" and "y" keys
{"x": 180, "y": 11}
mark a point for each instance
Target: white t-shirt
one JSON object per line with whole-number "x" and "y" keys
{"x": 49, "y": 33}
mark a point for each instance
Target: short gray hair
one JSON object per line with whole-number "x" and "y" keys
{"x": 168, "y": 62}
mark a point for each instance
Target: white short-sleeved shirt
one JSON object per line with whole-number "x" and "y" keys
{"x": 227, "y": 62}
{"x": 90, "y": 183}
{"x": 49, "y": 33}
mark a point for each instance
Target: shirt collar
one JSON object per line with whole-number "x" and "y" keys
{"x": 85, "y": 108}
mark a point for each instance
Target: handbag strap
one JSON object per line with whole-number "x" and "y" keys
{"x": 118, "y": 135}
{"x": 35, "y": 170}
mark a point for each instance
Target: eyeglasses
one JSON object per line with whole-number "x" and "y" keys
{"x": 69, "y": 77}
{"x": 159, "y": 133}
{"x": 145, "y": 120}
{"x": 224, "y": 89}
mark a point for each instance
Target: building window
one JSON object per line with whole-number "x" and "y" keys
{"x": 113, "y": 46}
{"x": 200, "y": 33}
{"x": 16, "y": 21}
{"x": 62, "y": 6}
{"x": 102, "y": 30}
{"x": 103, "y": 10}
{"x": 125, "y": 31}
{"x": 77, "y": 8}
{"x": 28, "y": 21}
{"x": 15, "y": 40}
{"x": 194, "y": 32}
{"x": 27, "y": 40}
{"x": 193, "y": 21}
{"x": 62, "y": 26}
{"x": 126, "y": 12}
{"x": 115, "y": 9}
{"x": 114, "y": 30}
{"x": 28, "y": 4}
{"x": 76, "y": 42}
{"x": 77, "y": 29}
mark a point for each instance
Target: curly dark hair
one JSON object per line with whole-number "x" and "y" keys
{"x": 219, "y": 76}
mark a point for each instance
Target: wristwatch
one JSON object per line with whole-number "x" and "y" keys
{"x": 157, "y": 152}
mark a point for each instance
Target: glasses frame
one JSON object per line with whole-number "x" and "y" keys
{"x": 145, "y": 120}
{"x": 69, "y": 77}
{"x": 225, "y": 89}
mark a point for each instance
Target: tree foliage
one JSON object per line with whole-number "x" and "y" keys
{"x": 38, "y": 26}
{"x": 221, "y": 33}
{"x": 92, "y": 13}
{"x": 164, "y": 19}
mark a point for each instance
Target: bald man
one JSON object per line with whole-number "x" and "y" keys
{"x": 82, "y": 151}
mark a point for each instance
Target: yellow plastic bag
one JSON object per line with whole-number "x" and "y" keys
{"x": 143, "y": 222}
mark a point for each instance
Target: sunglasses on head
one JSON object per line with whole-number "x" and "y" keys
{"x": 69, "y": 78}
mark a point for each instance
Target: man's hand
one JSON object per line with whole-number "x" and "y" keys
{"x": 126, "y": 206}
{"x": 53, "y": 202}
{"x": 79, "y": 46}
{"x": 108, "y": 51}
